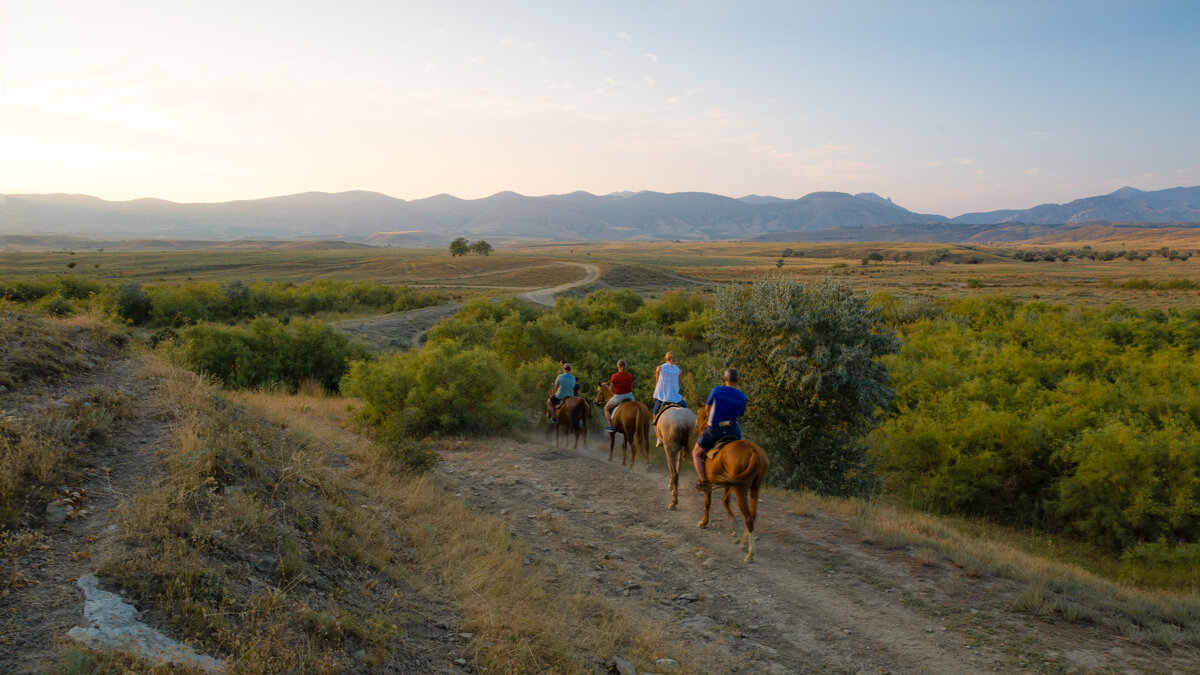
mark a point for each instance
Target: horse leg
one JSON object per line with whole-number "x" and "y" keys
{"x": 707, "y": 503}
{"x": 625, "y": 442}
{"x": 673, "y": 480}
{"x": 612, "y": 444}
{"x": 732, "y": 520}
{"x": 745, "y": 508}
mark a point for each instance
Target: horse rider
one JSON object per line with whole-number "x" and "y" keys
{"x": 622, "y": 389}
{"x": 666, "y": 385}
{"x": 565, "y": 386}
{"x": 726, "y": 403}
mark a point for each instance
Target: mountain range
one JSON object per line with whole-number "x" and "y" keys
{"x": 382, "y": 220}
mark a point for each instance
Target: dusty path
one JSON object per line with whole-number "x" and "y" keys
{"x": 36, "y": 616}
{"x": 545, "y": 296}
{"x": 819, "y": 598}
{"x": 401, "y": 330}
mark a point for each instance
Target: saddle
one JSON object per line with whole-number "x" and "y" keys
{"x": 664, "y": 408}
{"x": 721, "y": 444}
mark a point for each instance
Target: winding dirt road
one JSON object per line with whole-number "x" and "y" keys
{"x": 545, "y": 296}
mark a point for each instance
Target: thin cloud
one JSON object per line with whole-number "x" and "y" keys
{"x": 653, "y": 57}
{"x": 1032, "y": 172}
{"x": 626, "y": 37}
{"x": 507, "y": 41}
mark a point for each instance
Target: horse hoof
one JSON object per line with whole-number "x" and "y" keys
{"x": 702, "y": 524}
{"x": 749, "y": 558}
{"x": 671, "y": 507}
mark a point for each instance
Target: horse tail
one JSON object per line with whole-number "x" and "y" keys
{"x": 643, "y": 429}
{"x": 757, "y": 458}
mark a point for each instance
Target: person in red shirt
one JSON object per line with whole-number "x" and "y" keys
{"x": 622, "y": 387}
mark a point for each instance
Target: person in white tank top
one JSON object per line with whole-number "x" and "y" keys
{"x": 666, "y": 383}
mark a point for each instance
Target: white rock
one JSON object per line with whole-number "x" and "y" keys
{"x": 112, "y": 624}
{"x": 667, "y": 665}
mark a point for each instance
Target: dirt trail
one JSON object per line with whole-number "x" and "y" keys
{"x": 35, "y": 617}
{"x": 402, "y": 330}
{"x": 545, "y": 296}
{"x": 399, "y": 330}
{"x": 818, "y": 598}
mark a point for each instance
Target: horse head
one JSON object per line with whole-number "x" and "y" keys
{"x": 603, "y": 393}
{"x": 701, "y": 417}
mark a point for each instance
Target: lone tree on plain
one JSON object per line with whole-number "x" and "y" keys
{"x": 459, "y": 246}
{"x": 481, "y": 247}
{"x": 809, "y": 360}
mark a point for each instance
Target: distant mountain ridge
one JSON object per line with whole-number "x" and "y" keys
{"x": 380, "y": 219}
{"x": 1180, "y": 204}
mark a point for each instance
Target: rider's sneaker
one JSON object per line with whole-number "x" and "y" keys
{"x": 609, "y": 427}
{"x": 553, "y": 421}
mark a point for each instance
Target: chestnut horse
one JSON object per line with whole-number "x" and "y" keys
{"x": 739, "y": 466}
{"x": 632, "y": 420}
{"x": 572, "y": 415}
{"x": 676, "y": 428}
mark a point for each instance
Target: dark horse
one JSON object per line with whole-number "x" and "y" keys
{"x": 572, "y": 415}
{"x": 739, "y": 466}
{"x": 632, "y": 420}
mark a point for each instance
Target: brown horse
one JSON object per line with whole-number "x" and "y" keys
{"x": 740, "y": 466}
{"x": 572, "y": 416}
{"x": 632, "y": 420}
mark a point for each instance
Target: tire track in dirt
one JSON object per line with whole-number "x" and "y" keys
{"x": 818, "y": 598}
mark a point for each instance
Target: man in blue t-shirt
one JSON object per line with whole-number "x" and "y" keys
{"x": 726, "y": 404}
{"x": 565, "y": 386}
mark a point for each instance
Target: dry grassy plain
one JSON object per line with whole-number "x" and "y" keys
{"x": 651, "y": 267}
{"x": 1076, "y": 282}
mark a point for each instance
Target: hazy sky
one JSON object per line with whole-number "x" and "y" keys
{"x": 946, "y": 107}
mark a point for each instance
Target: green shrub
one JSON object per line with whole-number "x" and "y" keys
{"x": 131, "y": 302}
{"x": 270, "y": 352}
{"x": 56, "y": 305}
{"x": 1162, "y": 564}
{"x": 442, "y": 389}
{"x": 809, "y": 357}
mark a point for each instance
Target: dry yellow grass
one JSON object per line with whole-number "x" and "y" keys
{"x": 520, "y": 624}
{"x": 1069, "y": 591}
{"x": 318, "y": 501}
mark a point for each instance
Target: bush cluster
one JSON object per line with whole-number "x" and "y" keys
{"x": 237, "y": 301}
{"x": 507, "y": 353}
{"x": 229, "y": 302}
{"x": 270, "y": 352}
{"x": 1037, "y": 415}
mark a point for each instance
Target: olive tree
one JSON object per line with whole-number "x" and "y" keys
{"x": 809, "y": 359}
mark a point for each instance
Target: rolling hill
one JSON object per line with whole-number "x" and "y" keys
{"x": 695, "y": 216}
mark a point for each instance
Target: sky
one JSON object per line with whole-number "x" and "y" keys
{"x": 946, "y": 107}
